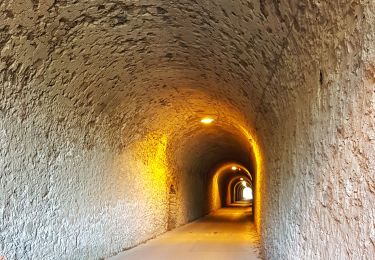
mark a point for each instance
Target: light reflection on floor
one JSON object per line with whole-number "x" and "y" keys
{"x": 227, "y": 233}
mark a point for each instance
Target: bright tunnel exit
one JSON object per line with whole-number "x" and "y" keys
{"x": 247, "y": 193}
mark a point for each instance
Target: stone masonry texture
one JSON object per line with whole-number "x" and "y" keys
{"x": 100, "y": 103}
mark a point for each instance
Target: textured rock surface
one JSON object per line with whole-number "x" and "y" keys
{"x": 101, "y": 146}
{"x": 322, "y": 160}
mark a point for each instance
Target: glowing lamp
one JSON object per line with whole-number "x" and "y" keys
{"x": 207, "y": 120}
{"x": 234, "y": 168}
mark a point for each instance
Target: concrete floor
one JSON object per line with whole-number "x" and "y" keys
{"x": 227, "y": 233}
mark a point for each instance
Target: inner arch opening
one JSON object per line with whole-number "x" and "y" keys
{"x": 208, "y": 161}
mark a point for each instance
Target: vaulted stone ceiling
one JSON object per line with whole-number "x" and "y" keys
{"x": 102, "y": 100}
{"x": 133, "y": 54}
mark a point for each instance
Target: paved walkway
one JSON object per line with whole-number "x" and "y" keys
{"x": 225, "y": 234}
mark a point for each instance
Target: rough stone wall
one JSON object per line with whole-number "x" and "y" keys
{"x": 65, "y": 189}
{"x": 319, "y": 190}
{"x": 84, "y": 126}
{"x": 100, "y": 103}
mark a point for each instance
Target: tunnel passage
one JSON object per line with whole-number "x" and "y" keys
{"x": 229, "y": 177}
{"x": 102, "y": 100}
{"x": 199, "y": 154}
{"x": 240, "y": 189}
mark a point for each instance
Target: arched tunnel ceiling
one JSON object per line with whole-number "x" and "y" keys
{"x": 80, "y": 78}
{"x": 206, "y": 148}
{"x": 116, "y": 71}
{"x": 135, "y": 57}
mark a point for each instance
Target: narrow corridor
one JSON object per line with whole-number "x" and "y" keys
{"x": 122, "y": 121}
{"x": 226, "y": 233}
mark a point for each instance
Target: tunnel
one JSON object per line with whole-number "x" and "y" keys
{"x": 121, "y": 121}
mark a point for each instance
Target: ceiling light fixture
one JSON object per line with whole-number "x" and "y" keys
{"x": 234, "y": 168}
{"x": 207, "y": 120}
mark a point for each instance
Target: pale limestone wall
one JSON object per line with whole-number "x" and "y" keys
{"x": 67, "y": 193}
{"x": 319, "y": 195}
{"x": 100, "y": 104}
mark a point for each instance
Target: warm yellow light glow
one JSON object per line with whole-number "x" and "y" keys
{"x": 234, "y": 168}
{"x": 241, "y": 179}
{"x": 244, "y": 183}
{"x": 207, "y": 120}
{"x": 247, "y": 193}
{"x": 258, "y": 153}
